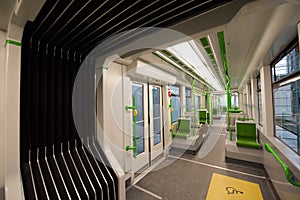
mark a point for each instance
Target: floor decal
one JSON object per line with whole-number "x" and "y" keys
{"x": 225, "y": 187}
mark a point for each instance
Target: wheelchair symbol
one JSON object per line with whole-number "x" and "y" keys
{"x": 232, "y": 190}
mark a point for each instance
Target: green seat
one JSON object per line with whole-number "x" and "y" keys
{"x": 202, "y": 116}
{"x": 214, "y": 111}
{"x": 184, "y": 128}
{"x": 246, "y": 135}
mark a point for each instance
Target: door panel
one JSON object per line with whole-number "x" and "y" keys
{"x": 156, "y": 136}
{"x": 139, "y": 91}
{"x": 148, "y": 133}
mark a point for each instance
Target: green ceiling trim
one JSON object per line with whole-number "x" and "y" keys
{"x": 208, "y": 49}
{"x": 204, "y": 41}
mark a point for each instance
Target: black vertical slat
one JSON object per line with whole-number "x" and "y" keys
{"x": 55, "y": 92}
{"x": 58, "y": 98}
{"x": 27, "y": 181}
{"x": 43, "y": 120}
{"x": 106, "y": 168}
{"x": 50, "y": 100}
{"x": 66, "y": 100}
{"x": 93, "y": 176}
{"x": 82, "y": 173}
{"x": 48, "y": 180}
{"x": 75, "y": 176}
{"x": 102, "y": 176}
{"x": 72, "y": 75}
{"x": 67, "y": 178}
{"x": 35, "y": 101}
{"x": 58, "y": 179}
{"x": 38, "y": 181}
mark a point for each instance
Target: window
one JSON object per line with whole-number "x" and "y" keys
{"x": 235, "y": 99}
{"x": 137, "y": 92}
{"x": 259, "y": 101}
{"x": 156, "y": 115}
{"x": 175, "y": 96}
{"x": 188, "y": 99}
{"x": 288, "y": 64}
{"x": 197, "y": 102}
{"x": 286, "y": 97}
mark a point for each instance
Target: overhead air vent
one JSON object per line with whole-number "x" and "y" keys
{"x": 146, "y": 72}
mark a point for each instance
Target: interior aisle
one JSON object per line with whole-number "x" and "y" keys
{"x": 188, "y": 177}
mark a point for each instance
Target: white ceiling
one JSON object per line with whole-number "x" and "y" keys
{"x": 255, "y": 33}
{"x": 250, "y": 36}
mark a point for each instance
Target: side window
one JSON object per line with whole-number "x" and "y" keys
{"x": 175, "y": 96}
{"x": 286, "y": 97}
{"x": 188, "y": 99}
{"x": 259, "y": 101}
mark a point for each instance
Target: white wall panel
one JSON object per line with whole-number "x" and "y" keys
{"x": 2, "y": 78}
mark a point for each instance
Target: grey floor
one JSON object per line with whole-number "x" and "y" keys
{"x": 187, "y": 177}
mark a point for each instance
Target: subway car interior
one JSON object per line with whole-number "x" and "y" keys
{"x": 120, "y": 99}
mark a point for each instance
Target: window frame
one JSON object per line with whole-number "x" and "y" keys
{"x": 174, "y": 95}
{"x": 279, "y": 83}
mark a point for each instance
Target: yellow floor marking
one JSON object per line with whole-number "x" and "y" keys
{"x": 225, "y": 187}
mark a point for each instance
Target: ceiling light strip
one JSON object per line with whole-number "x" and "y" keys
{"x": 192, "y": 74}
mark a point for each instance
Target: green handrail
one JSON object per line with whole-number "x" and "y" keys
{"x": 194, "y": 95}
{"x": 223, "y": 52}
{"x": 17, "y": 43}
{"x": 286, "y": 169}
{"x": 209, "y": 106}
{"x": 171, "y": 110}
{"x": 133, "y": 107}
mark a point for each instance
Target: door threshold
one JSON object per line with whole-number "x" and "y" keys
{"x": 142, "y": 174}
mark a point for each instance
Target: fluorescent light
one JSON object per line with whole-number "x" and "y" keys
{"x": 189, "y": 53}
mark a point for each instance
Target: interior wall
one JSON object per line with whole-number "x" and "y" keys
{"x": 2, "y": 82}
{"x": 114, "y": 112}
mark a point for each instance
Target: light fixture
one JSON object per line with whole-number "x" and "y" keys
{"x": 189, "y": 53}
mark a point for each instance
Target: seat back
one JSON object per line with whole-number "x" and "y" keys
{"x": 246, "y": 131}
{"x": 184, "y": 125}
{"x": 203, "y": 116}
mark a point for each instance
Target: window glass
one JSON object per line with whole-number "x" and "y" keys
{"x": 286, "y": 98}
{"x": 197, "y": 102}
{"x": 287, "y": 65}
{"x": 287, "y": 114}
{"x": 137, "y": 92}
{"x": 175, "y": 96}
{"x": 259, "y": 108}
{"x": 188, "y": 99}
{"x": 259, "y": 101}
{"x": 156, "y": 115}
{"x": 235, "y": 99}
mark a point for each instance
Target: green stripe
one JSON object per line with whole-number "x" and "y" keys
{"x": 14, "y": 42}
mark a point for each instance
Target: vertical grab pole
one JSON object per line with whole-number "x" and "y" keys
{"x": 194, "y": 95}
{"x": 223, "y": 52}
{"x": 171, "y": 111}
{"x": 133, "y": 107}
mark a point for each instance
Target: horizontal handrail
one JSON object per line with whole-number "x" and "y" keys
{"x": 286, "y": 169}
